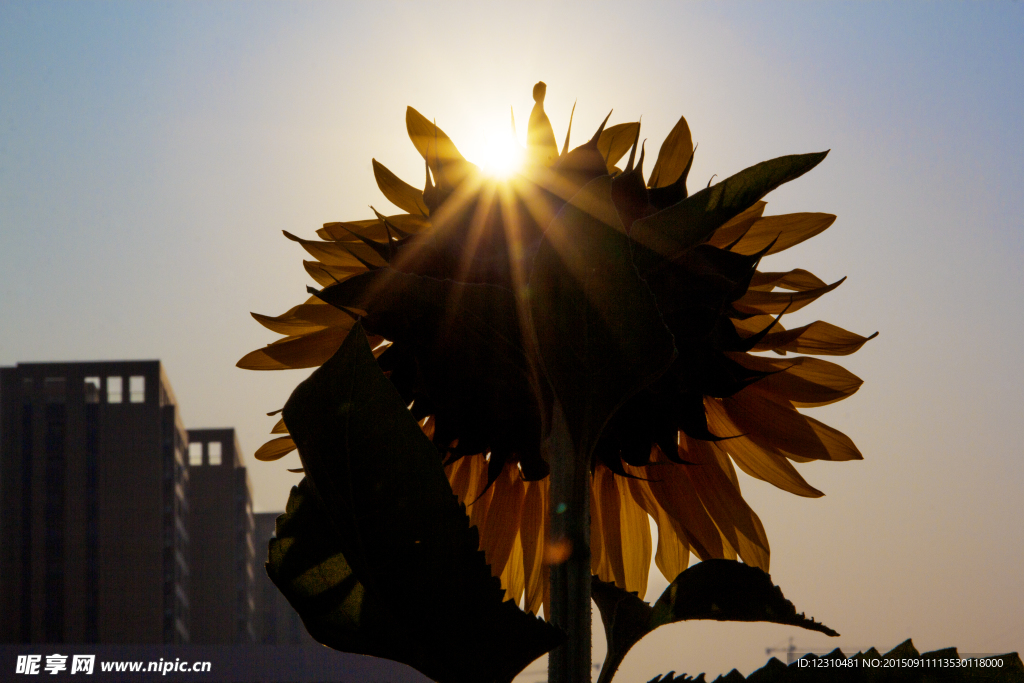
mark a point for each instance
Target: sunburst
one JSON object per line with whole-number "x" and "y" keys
{"x": 663, "y": 454}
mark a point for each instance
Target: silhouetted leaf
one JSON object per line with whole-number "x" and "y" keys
{"x": 872, "y": 667}
{"x": 688, "y": 223}
{"x": 375, "y": 552}
{"x": 469, "y": 359}
{"x": 600, "y": 335}
{"x": 725, "y": 590}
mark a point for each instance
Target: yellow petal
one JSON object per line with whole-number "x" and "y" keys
{"x": 465, "y": 477}
{"x": 819, "y": 338}
{"x": 306, "y": 351}
{"x": 730, "y": 232}
{"x": 674, "y": 155}
{"x": 499, "y": 531}
{"x": 787, "y": 230}
{"x": 279, "y": 428}
{"x": 797, "y": 280}
{"x": 440, "y": 153}
{"x": 512, "y": 577}
{"x": 599, "y": 564}
{"x": 674, "y": 493}
{"x": 622, "y": 533}
{"x": 804, "y": 382}
{"x": 726, "y": 464}
{"x": 326, "y": 275}
{"x": 635, "y": 530}
{"x": 400, "y": 193}
{"x": 540, "y": 138}
{"x": 275, "y": 448}
{"x": 777, "y": 302}
{"x": 478, "y": 498}
{"x": 762, "y": 463}
{"x": 305, "y": 318}
{"x": 533, "y": 539}
{"x": 338, "y": 254}
{"x": 616, "y": 141}
{"x": 734, "y": 518}
{"x": 673, "y": 553}
{"x": 754, "y": 324}
{"x": 778, "y": 425}
{"x": 373, "y": 228}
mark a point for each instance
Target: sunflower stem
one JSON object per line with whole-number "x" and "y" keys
{"x": 570, "y": 534}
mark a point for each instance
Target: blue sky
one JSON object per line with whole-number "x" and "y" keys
{"x": 151, "y": 153}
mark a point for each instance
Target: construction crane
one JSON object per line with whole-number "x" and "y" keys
{"x": 790, "y": 651}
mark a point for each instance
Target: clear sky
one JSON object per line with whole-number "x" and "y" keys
{"x": 151, "y": 154}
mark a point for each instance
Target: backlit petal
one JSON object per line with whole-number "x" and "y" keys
{"x": 275, "y": 448}
{"x": 674, "y": 155}
{"x": 757, "y": 461}
{"x": 306, "y": 351}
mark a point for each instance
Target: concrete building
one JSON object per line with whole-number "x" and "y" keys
{"x": 221, "y": 530}
{"x": 276, "y": 622}
{"x": 94, "y": 542}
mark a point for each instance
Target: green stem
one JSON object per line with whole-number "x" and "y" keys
{"x": 569, "y": 507}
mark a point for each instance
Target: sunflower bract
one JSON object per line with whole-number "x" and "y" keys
{"x": 442, "y": 290}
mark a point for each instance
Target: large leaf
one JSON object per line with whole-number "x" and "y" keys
{"x": 681, "y": 226}
{"x": 722, "y": 590}
{"x": 468, "y": 356}
{"x": 379, "y": 557}
{"x": 600, "y": 335}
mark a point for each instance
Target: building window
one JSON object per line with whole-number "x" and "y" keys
{"x": 195, "y": 453}
{"x": 53, "y": 389}
{"x": 114, "y": 389}
{"x": 92, "y": 389}
{"x": 213, "y": 453}
{"x": 137, "y": 389}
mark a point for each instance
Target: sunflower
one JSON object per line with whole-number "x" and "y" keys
{"x": 421, "y": 283}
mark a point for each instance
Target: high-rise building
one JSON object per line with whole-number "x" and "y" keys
{"x": 94, "y": 542}
{"x": 277, "y": 623}
{"x": 221, "y": 534}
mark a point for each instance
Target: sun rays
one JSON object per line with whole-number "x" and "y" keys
{"x": 447, "y": 283}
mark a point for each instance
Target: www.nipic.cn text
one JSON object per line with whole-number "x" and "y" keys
{"x": 86, "y": 664}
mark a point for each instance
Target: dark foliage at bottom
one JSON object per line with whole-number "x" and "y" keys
{"x": 902, "y": 665}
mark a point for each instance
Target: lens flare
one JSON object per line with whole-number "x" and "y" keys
{"x": 502, "y": 159}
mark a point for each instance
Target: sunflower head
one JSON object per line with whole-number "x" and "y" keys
{"x": 638, "y": 309}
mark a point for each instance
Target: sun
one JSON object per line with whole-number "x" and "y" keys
{"x": 502, "y": 157}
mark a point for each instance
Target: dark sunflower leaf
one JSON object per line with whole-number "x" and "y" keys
{"x": 600, "y": 335}
{"x": 466, "y": 344}
{"x": 308, "y": 567}
{"x": 875, "y": 667}
{"x": 725, "y": 590}
{"x": 693, "y": 220}
{"x": 385, "y": 563}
